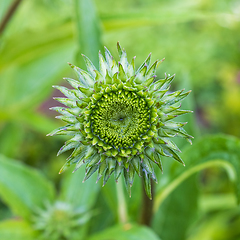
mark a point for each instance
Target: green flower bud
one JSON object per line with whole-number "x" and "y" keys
{"x": 120, "y": 119}
{"x": 59, "y": 220}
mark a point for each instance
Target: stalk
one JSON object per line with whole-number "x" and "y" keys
{"x": 147, "y": 206}
{"x": 122, "y": 206}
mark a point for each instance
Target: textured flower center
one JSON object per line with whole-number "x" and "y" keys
{"x": 120, "y": 119}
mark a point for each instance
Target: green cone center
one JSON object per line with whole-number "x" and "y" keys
{"x": 120, "y": 119}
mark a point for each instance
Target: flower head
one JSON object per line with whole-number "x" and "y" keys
{"x": 59, "y": 220}
{"x": 120, "y": 119}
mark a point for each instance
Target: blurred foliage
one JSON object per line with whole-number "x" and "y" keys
{"x": 43, "y": 212}
{"x": 201, "y": 43}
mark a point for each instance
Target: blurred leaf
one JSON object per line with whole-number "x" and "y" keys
{"x": 151, "y": 18}
{"x": 110, "y": 194}
{"x": 32, "y": 45}
{"x": 163, "y": 193}
{"x": 134, "y": 203}
{"x": 88, "y": 29}
{"x": 216, "y": 147}
{"x": 117, "y": 199}
{"x": 104, "y": 217}
{"x": 126, "y": 232}
{"x": 22, "y": 188}
{"x": 214, "y": 202}
{"x": 74, "y": 191}
{"x": 10, "y": 139}
{"x": 219, "y": 150}
{"x": 38, "y": 122}
{"x": 177, "y": 212}
{"x": 30, "y": 83}
{"x": 16, "y": 230}
{"x": 80, "y": 233}
{"x": 220, "y": 226}
{"x": 212, "y": 151}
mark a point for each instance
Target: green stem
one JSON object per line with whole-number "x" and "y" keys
{"x": 165, "y": 192}
{"x": 122, "y": 206}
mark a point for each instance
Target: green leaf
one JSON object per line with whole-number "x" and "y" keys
{"x": 11, "y": 135}
{"x": 222, "y": 225}
{"x": 211, "y": 151}
{"x": 104, "y": 217}
{"x": 37, "y": 121}
{"x": 134, "y": 203}
{"x": 88, "y": 29}
{"x": 16, "y": 230}
{"x": 28, "y": 71}
{"x": 177, "y": 212}
{"x": 219, "y": 150}
{"x": 143, "y": 18}
{"x": 22, "y": 188}
{"x": 164, "y": 193}
{"x": 26, "y": 84}
{"x": 110, "y": 195}
{"x": 126, "y": 232}
{"x": 80, "y": 194}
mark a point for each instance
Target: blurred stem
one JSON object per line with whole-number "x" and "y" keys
{"x": 147, "y": 206}
{"x": 122, "y": 206}
{"x": 12, "y": 9}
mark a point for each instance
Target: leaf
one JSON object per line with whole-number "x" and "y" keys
{"x": 134, "y": 202}
{"x": 224, "y": 148}
{"x": 218, "y": 150}
{"x": 23, "y": 188}
{"x": 37, "y": 121}
{"x": 110, "y": 194}
{"x": 11, "y": 135}
{"x": 88, "y": 29}
{"x": 80, "y": 194}
{"x": 104, "y": 217}
{"x": 177, "y": 212}
{"x": 26, "y": 84}
{"x": 126, "y": 232}
{"x": 221, "y": 225}
{"x": 16, "y": 230}
{"x": 33, "y": 45}
{"x": 135, "y": 19}
{"x": 211, "y": 151}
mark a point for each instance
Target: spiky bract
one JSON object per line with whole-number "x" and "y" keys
{"x": 120, "y": 119}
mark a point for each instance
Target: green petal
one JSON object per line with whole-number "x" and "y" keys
{"x": 147, "y": 183}
{"x": 90, "y": 172}
{"x": 90, "y": 67}
{"x": 136, "y": 164}
{"x": 118, "y": 171}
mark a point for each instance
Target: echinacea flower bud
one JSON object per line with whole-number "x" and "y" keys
{"x": 59, "y": 220}
{"x": 120, "y": 119}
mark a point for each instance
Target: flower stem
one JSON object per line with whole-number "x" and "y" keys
{"x": 147, "y": 206}
{"x": 122, "y": 206}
